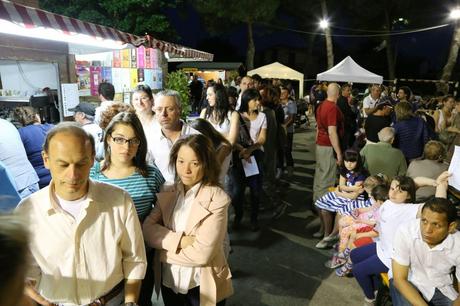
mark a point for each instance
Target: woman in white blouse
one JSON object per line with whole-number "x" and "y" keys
{"x": 219, "y": 114}
{"x": 188, "y": 226}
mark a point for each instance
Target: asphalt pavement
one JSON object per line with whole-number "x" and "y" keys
{"x": 279, "y": 265}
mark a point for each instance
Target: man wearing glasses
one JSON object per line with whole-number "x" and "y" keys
{"x": 171, "y": 127}
{"x": 86, "y": 241}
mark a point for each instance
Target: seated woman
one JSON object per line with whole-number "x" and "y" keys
{"x": 188, "y": 226}
{"x": 125, "y": 166}
{"x": 33, "y": 134}
{"x": 221, "y": 145}
{"x": 430, "y": 166}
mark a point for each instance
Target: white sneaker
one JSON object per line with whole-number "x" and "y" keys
{"x": 323, "y": 244}
{"x": 368, "y": 302}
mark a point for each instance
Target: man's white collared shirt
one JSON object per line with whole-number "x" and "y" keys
{"x": 429, "y": 268}
{"x": 161, "y": 147}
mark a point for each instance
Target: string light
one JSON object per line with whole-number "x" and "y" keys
{"x": 390, "y": 33}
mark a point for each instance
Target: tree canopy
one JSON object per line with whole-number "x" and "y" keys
{"x": 133, "y": 16}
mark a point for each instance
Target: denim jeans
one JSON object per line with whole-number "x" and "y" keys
{"x": 438, "y": 298}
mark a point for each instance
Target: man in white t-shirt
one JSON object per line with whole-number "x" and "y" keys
{"x": 167, "y": 113}
{"x": 371, "y": 100}
{"x": 106, "y": 93}
{"x": 425, "y": 252}
{"x": 85, "y": 237}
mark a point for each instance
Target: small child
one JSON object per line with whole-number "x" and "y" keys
{"x": 352, "y": 176}
{"x": 359, "y": 228}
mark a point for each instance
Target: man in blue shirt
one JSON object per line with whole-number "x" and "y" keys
{"x": 9, "y": 197}
{"x": 13, "y": 155}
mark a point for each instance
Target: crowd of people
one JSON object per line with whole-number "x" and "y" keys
{"x": 132, "y": 198}
{"x": 129, "y": 198}
{"x": 389, "y": 212}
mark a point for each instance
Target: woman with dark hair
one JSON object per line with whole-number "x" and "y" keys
{"x": 411, "y": 132}
{"x": 33, "y": 134}
{"x": 218, "y": 112}
{"x": 375, "y": 258}
{"x": 352, "y": 176}
{"x": 188, "y": 226}
{"x": 125, "y": 166}
{"x": 221, "y": 145}
{"x": 249, "y": 147}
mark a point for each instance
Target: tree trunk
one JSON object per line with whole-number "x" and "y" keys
{"x": 453, "y": 53}
{"x": 251, "y": 49}
{"x": 329, "y": 47}
{"x": 391, "y": 62}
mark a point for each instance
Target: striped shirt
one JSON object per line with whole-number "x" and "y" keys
{"x": 142, "y": 190}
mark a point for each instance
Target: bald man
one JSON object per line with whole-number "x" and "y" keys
{"x": 329, "y": 120}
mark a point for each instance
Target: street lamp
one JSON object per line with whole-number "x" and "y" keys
{"x": 455, "y": 14}
{"x": 324, "y": 24}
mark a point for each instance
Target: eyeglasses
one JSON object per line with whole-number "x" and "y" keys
{"x": 122, "y": 141}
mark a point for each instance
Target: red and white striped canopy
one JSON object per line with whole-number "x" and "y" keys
{"x": 29, "y": 17}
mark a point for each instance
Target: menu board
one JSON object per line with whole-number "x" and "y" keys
{"x": 70, "y": 97}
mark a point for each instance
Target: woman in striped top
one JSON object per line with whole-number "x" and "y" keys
{"x": 125, "y": 166}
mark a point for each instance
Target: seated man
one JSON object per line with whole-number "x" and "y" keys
{"x": 382, "y": 158}
{"x": 425, "y": 252}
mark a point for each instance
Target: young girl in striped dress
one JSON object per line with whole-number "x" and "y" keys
{"x": 352, "y": 176}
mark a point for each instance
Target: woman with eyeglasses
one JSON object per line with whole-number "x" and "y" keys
{"x": 125, "y": 166}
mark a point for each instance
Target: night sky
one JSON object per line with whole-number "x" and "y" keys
{"x": 419, "y": 55}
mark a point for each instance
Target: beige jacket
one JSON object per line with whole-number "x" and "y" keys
{"x": 208, "y": 223}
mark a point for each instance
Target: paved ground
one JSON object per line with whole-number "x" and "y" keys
{"x": 280, "y": 265}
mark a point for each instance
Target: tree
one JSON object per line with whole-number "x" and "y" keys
{"x": 327, "y": 31}
{"x": 451, "y": 59}
{"x": 138, "y": 17}
{"x": 221, "y": 15}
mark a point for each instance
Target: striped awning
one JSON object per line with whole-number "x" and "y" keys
{"x": 29, "y": 18}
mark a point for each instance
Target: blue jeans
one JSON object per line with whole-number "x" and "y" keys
{"x": 367, "y": 268}
{"x": 438, "y": 298}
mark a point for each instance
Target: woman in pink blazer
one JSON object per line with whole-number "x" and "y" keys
{"x": 188, "y": 226}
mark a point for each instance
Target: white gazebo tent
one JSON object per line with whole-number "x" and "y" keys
{"x": 279, "y": 71}
{"x": 349, "y": 71}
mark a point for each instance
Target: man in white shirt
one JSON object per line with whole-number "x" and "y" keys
{"x": 85, "y": 237}
{"x": 425, "y": 252}
{"x": 167, "y": 109}
{"x": 106, "y": 93}
{"x": 246, "y": 82}
{"x": 371, "y": 100}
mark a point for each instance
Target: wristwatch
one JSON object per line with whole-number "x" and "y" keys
{"x": 130, "y": 304}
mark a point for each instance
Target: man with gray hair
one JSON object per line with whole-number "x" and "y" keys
{"x": 382, "y": 158}
{"x": 167, "y": 109}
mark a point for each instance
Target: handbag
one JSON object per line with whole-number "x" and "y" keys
{"x": 244, "y": 139}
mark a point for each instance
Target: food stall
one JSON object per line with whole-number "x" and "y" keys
{"x": 51, "y": 61}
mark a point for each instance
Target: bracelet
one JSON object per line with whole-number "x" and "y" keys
{"x": 130, "y": 304}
